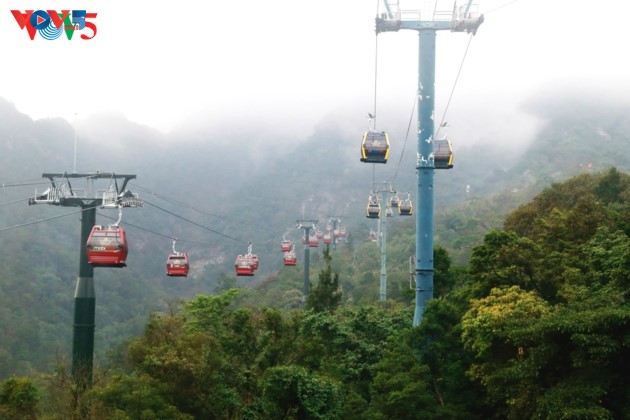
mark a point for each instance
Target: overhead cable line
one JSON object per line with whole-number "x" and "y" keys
{"x": 500, "y": 7}
{"x": 373, "y": 116}
{"x": 375, "y": 68}
{"x": 174, "y": 201}
{"x": 157, "y": 233}
{"x": 461, "y": 65}
{"x": 23, "y": 184}
{"x": 373, "y": 174}
{"x": 45, "y": 220}
{"x": 402, "y": 152}
{"x": 197, "y": 224}
{"x": 14, "y": 201}
{"x": 33, "y": 181}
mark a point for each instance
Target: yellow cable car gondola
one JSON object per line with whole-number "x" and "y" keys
{"x": 394, "y": 200}
{"x": 375, "y": 147}
{"x": 405, "y": 208}
{"x": 373, "y": 210}
{"x": 442, "y": 154}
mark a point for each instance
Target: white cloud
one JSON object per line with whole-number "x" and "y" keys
{"x": 161, "y": 63}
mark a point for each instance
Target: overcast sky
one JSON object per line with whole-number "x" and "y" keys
{"x": 164, "y": 64}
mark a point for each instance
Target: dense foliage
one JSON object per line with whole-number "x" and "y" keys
{"x": 534, "y": 324}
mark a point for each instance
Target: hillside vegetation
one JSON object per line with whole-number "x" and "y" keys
{"x": 536, "y": 326}
{"x": 530, "y": 317}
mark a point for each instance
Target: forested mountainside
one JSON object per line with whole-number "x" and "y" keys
{"x": 535, "y": 326}
{"x": 257, "y": 194}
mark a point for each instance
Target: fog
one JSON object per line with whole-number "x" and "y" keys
{"x": 289, "y": 66}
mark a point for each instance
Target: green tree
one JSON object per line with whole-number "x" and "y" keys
{"x": 225, "y": 283}
{"x": 444, "y": 281}
{"x": 610, "y": 186}
{"x": 325, "y": 296}
{"x": 504, "y": 259}
{"x": 18, "y": 399}
{"x": 498, "y": 330}
{"x": 439, "y": 345}
{"x": 291, "y": 392}
{"x": 401, "y": 388}
{"x": 135, "y": 397}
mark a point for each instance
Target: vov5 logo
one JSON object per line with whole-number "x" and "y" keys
{"x": 51, "y": 24}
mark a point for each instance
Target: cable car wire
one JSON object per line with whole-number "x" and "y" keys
{"x": 14, "y": 201}
{"x": 174, "y": 201}
{"x": 22, "y": 184}
{"x": 378, "y": 2}
{"x": 500, "y": 7}
{"x": 197, "y": 224}
{"x": 443, "y": 115}
{"x": 46, "y": 219}
{"x": 402, "y": 152}
{"x": 373, "y": 174}
{"x": 157, "y": 233}
{"x": 454, "y": 85}
{"x": 375, "y": 82}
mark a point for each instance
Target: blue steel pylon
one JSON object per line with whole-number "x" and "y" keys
{"x": 460, "y": 20}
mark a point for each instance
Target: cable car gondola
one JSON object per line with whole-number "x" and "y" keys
{"x": 286, "y": 245}
{"x": 290, "y": 258}
{"x": 405, "y": 208}
{"x": 107, "y": 247}
{"x": 313, "y": 242}
{"x": 177, "y": 263}
{"x": 327, "y": 238}
{"x": 254, "y": 259}
{"x": 373, "y": 210}
{"x": 319, "y": 234}
{"x": 394, "y": 200}
{"x": 442, "y": 154}
{"x": 375, "y": 147}
{"x": 245, "y": 265}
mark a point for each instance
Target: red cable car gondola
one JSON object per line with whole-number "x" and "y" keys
{"x": 327, "y": 238}
{"x": 313, "y": 242}
{"x": 286, "y": 245}
{"x": 177, "y": 263}
{"x": 107, "y": 247}
{"x": 245, "y": 265}
{"x": 290, "y": 258}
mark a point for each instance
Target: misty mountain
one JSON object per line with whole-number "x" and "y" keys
{"x": 216, "y": 188}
